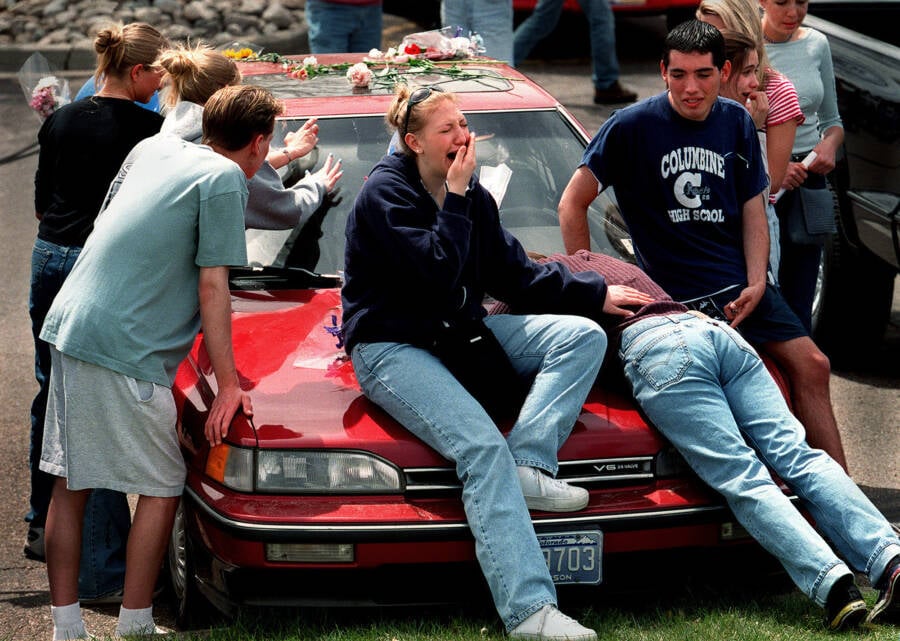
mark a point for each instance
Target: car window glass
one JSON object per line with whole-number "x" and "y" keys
{"x": 525, "y": 159}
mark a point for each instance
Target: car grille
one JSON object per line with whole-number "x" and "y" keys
{"x": 593, "y": 472}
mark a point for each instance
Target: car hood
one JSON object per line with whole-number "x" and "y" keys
{"x": 305, "y": 393}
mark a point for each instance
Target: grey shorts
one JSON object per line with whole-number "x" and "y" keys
{"x": 106, "y": 429}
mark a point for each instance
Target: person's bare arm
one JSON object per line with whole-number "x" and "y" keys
{"x": 779, "y": 142}
{"x": 826, "y": 150}
{"x": 756, "y": 254}
{"x": 573, "y": 206}
{"x": 215, "y": 316}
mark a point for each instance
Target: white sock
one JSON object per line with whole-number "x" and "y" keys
{"x": 138, "y": 621}
{"x": 67, "y": 622}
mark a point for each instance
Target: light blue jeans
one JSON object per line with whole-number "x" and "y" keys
{"x": 774, "y": 242}
{"x": 708, "y": 392}
{"x": 107, "y": 518}
{"x": 601, "y": 27}
{"x": 562, "y": 354}
{"x": 491, "y": 19}
{"x": 343, "y": 28}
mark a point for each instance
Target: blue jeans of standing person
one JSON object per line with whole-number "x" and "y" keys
{"x": 562, "y": 354}
{"x": 601, "y": 26}
{"x": 343, "y": 28}
{"x": 774, "y": 242}
{"x": 490, "y": 19}
{"x": 107, "y": 517}
{"x": 708, "y": 392}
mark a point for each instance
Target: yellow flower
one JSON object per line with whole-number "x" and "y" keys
{"x": 241, "y": 54}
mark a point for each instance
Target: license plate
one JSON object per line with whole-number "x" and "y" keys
{"x": 573, "y": 557}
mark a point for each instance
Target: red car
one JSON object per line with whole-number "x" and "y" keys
{"x": 427, "y": 12}
{"x": 676, "y": 10}
{"x": 321, "y": 498}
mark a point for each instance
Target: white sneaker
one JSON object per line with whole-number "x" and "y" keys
{"x": 543, "y": 492}
{"x": 140, "y": 632}
{"x": 549, "y": 624}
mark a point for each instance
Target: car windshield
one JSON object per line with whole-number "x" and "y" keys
{"x": 525, "y": 159}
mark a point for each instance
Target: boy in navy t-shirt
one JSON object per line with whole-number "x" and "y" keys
{"x": 688, "y": 176}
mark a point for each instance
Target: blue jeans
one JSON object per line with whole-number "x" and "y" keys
{"x": 343, "y": 28}
{"x": 491, "y": 19}
{"x": 708, "y": 392}
{"x": 107, "y": 517}
{"x": 562, "y": 354}
{"x": 797, "y": 275}
{"x": 601, "y": 26}
{"x": 774, "y": 242}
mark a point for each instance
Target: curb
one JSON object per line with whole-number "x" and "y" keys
{"x": 68, "y": 58}
{"x": 81, "y": 59}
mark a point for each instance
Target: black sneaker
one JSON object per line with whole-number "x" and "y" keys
{"x": 844, "y": 608}
{"x": 34, "y": 544}
{"x": 614, "y": 94}
{"x": 888, "y": 605}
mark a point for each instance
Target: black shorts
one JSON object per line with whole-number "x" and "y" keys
{"x": 772, "y": 320}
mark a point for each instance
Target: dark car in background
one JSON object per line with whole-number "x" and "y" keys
{"x": 861, "y": 261}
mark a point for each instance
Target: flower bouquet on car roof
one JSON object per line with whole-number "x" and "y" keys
{"x": 43, "y": 89}
{"x": 419, "y": 52}
{"x": 437, "y": 44}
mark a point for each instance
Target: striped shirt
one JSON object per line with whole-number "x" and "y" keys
{"x": 783, "y": 102}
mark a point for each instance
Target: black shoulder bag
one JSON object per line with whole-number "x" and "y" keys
{"x": 471, "y": 352}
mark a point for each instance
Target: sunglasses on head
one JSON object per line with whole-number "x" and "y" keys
{"x": 419, "y": 95}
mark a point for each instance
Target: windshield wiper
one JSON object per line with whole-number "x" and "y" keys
{"x": 270, "y": 277}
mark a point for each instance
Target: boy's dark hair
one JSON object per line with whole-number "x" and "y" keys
{"x": 694, "y": 36}
{"x": 235, "y": 114}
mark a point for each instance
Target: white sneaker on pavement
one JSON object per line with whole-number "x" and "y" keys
{"x": 543, "y": 492}
{"x": 549, "y": 624}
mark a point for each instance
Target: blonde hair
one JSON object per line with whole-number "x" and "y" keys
{"x": 235, "y": 114}
{"x": 196, "y": 73}
{"x": 741, "y": 16}
{"x": 396, "y": 116}
{"x": 119, "y": 48}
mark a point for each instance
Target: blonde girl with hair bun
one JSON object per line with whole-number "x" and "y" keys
{"x": 194, "y": 75}
{"x": 126, "y": 57}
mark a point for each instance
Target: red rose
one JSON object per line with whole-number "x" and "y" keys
{"x": 412, "y": 49}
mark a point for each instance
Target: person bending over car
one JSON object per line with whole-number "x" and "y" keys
{"x": 424, "y": 245}
{"x": 154, "y": 269}
{"x": 196, "y": 73}
{"x": 704, "y": 387}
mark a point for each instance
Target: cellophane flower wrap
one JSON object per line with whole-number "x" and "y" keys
{"x": 44, "y": 90}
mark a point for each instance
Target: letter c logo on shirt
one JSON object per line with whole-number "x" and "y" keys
{"x": 687, "y": 189}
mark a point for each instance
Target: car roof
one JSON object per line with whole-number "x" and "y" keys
{"x": 485, "y": 85}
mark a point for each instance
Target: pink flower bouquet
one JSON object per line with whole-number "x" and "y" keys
{"x": 44, "y": 91}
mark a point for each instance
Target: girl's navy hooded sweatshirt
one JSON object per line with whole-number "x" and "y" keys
{"x": 409, "y": 264}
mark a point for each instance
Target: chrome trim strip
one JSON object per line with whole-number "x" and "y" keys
{"x": 258, "y": 528}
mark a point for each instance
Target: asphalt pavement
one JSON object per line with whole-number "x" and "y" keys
{"x": 867, "y": 400}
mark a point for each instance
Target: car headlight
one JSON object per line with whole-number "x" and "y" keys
{"x": 302, "y": 471}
